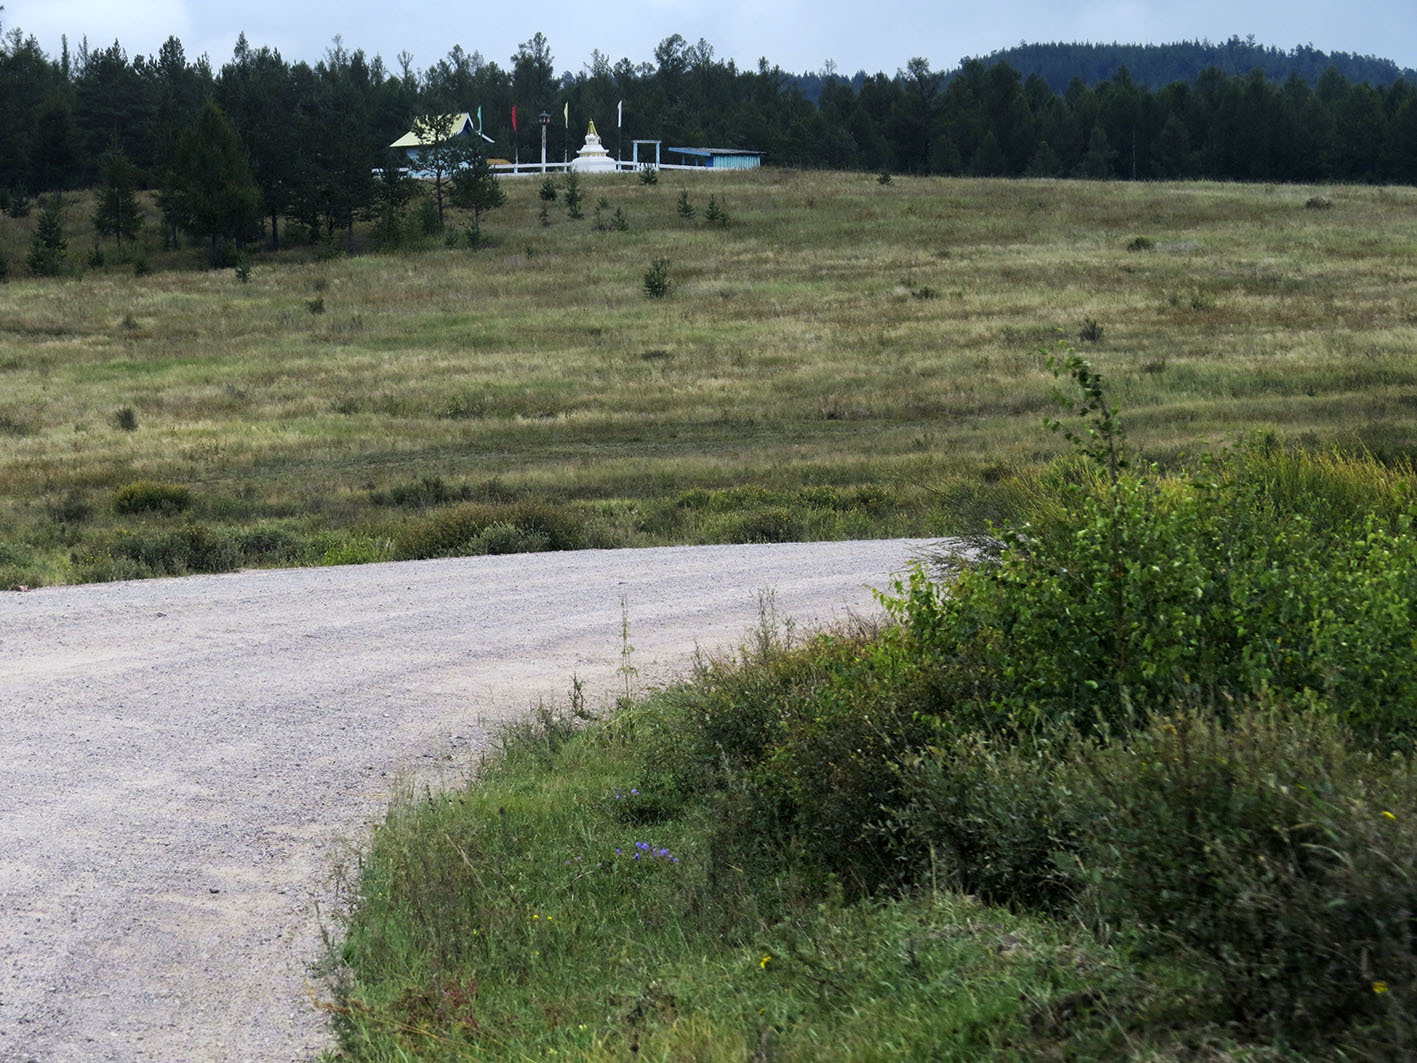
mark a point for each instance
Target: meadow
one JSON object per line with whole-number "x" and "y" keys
{"x": 842, "y": 358}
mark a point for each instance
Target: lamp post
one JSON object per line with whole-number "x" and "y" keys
{"x": 545, "y": 121}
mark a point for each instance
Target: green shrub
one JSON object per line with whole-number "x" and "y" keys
{"x": 1141, "y": 243}
{"x": 478, "y": 528}
{"x": 773, "y": 524}
{"x": 656, "y": 283}
{"x": 162, "y": 552}
{"x": 125, "y": 419}
{"x": 1275, "y": 854}
{"x": 145, "y": 496}
{"x": 73, "y": 508}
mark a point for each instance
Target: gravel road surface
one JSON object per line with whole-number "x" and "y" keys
{"x": 184, "y": 762}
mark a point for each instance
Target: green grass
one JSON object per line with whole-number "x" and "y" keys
{"x": 794, "y": 349}
{"x": 1139, "y": 786}
{"x": 519, "y": 920}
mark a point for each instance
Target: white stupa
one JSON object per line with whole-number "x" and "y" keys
{"x": 593, "y": 158}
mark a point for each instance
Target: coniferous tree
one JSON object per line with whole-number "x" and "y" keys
{"x": 117, "y": 213}
{"x": 476, "y": 188}
{"x": 216, "y": 198}
{"x": 47, "y": 247}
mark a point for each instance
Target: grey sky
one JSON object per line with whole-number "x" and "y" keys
{"x": 795, "y": 34}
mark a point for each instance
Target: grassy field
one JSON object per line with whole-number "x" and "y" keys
{"x": 843, "y": 358}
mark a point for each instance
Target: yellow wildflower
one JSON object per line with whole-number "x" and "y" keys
{"x": 1388, "y": 815}
{"x": 763, "y": 963}
{"x": 1379, "y": 988}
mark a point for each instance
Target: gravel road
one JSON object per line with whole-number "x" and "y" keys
{"x": 184, "y": 762}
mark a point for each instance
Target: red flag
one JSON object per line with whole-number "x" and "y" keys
{"x": 514, "y": 118}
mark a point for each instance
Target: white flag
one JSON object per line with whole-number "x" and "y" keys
{"x": 619, "y": 114}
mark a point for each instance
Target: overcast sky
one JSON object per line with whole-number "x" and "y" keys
{"x": 796, "y": 35}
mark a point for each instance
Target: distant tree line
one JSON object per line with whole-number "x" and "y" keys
{"x": 247, "y": 150}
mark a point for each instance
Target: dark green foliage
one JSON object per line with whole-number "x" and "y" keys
{"x": 393, "y": 191}
{"x": 73, "y": 508}
{"x": 193, "y": 548}
{"x": 47, "y": 247}
{"x": 574, "y": 196}
{"x": 547, "y": 192}
{"x": 213, "y": 195}
{"x": 656, "y": 281}
{"x": 684, "y": 206}
{"x": 423, "y": 493}
{"x": 715, "y": 214}
{"x": 476, "y": 188}
{"x": 125, "y": 418}
{"x": 487, "y": 528}
{"x": 1141, "y": 243}
{"x": 1274, "y": 852}
{"x": 117, "y": 213}
{"x": 649, "y": 175}
{"x": 1091, "y": 331}
{"x": 145, "y": 496}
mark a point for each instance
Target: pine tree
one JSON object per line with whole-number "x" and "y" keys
{"x": 117, "y": 213}
{"x": 476, "y": 188}
{"x": 46, "y": 257}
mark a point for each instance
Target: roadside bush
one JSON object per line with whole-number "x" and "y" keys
{"x": 193, "y": 548}
{"x": 1276, "y": 855}
{"x": 146, "y": 496}
{"x": 479, "y": 528}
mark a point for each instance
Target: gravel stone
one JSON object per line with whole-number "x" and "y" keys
{"x": 187, "y": 761}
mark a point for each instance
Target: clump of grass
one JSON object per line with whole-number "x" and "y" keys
{"x": 1318, "y": 203}
{"x": 1141, "y": 243}
{"x": 1091, "y": 331}
{"x": 125, "y": 419}
{"x": 146, "y": 496}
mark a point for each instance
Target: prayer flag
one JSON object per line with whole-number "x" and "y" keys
{"x": 619, "y": 114}
{"x": 566, "y": 113}
{"x": 514, "y": 118}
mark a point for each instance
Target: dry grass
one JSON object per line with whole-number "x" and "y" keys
{"x": 837, "y": 332}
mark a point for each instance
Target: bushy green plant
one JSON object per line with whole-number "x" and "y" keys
{"x": 479, "y": 528}
{"x": 714, "y": 214}
{"x": 574, "y": 196}
{"x": 684, "y": 206}
{"x": 1272, "y": 851}
{"x": 47, "y": 247}
{"x": 146, "y": 496}
{"x": 656, "y": 281}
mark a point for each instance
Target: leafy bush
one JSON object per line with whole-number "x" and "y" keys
{"x": 145, "y": 496}
{"x": 1278, "y": 856}
{"x": 157, "y": 552}
{"x": 479, "y": 528}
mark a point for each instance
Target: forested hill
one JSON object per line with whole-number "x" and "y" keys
{"x": 1155, "y": 65}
